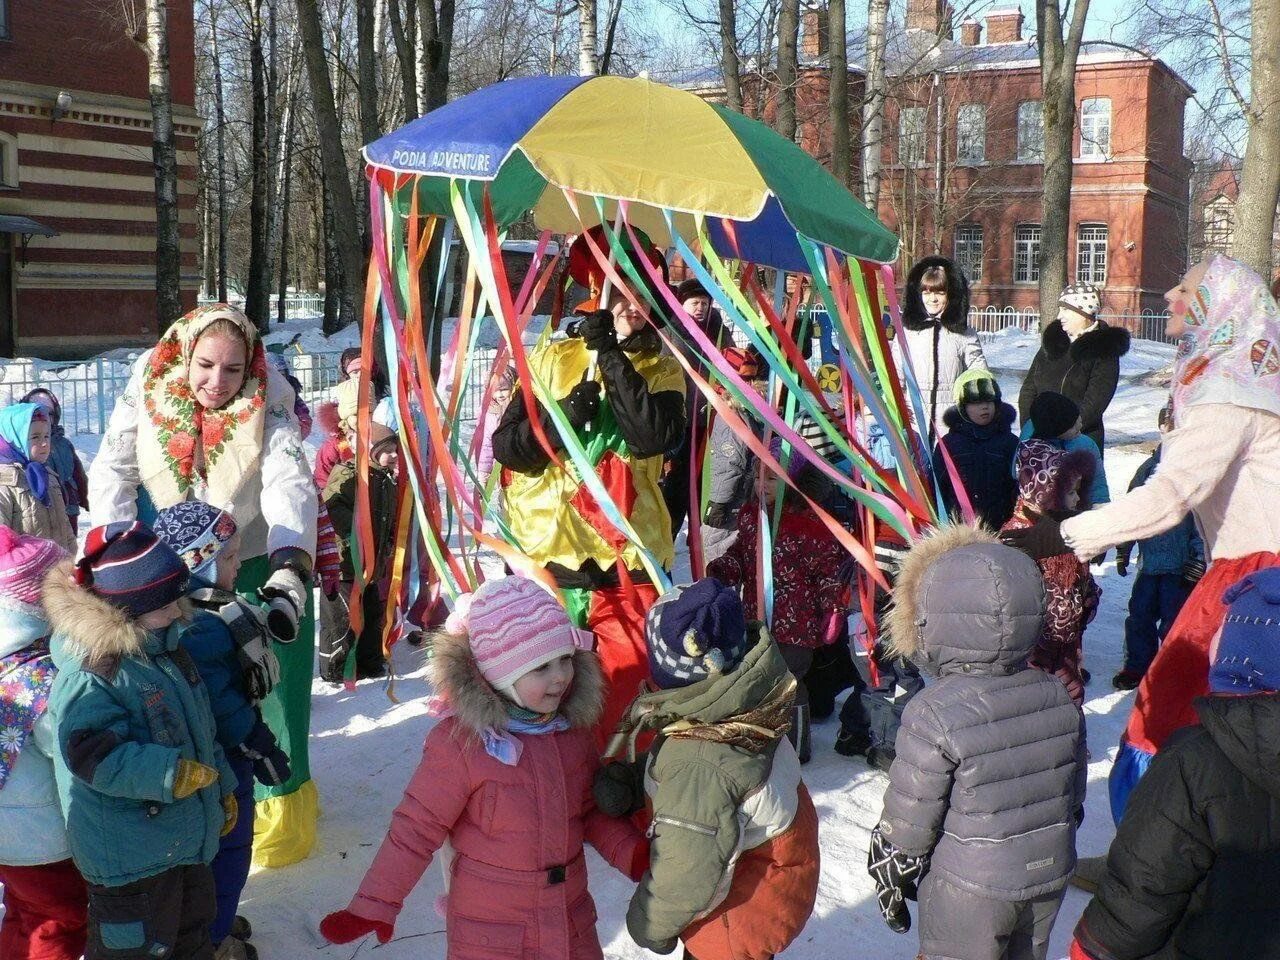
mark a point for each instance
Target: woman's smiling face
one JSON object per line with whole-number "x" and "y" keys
{"x": 217, "y": 369}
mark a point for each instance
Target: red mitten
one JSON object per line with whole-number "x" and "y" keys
{"x": 344, "y": 926}
{"x": 835, "y": 624}
{"x": 639, "y": 861}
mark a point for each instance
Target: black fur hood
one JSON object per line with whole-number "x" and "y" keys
{"x": 1105, "y": 341}
{"x": 956, "y": 316}
{"x": 1005, "y": 415}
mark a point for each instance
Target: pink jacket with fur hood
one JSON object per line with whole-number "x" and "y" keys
{"x": 518, "y": 879}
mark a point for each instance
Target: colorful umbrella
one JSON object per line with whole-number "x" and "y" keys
{"x": 631, "y": 139}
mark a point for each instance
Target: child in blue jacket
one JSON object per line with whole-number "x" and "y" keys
{"x": 1169, "y": 565}
{"x": 145, "y": 785}
{"x": 1055, "y": 419}
{"x": 231, "y": 646}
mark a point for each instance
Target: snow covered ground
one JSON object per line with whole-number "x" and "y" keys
{"x": 364, "y": 748}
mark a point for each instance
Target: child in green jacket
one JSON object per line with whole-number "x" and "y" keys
{"x": 144, "y": 782}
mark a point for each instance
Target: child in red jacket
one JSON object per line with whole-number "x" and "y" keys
{"x": 1057, "y": 482}
{"x": 809, "y": 595}
{"x": 505, "y": 779}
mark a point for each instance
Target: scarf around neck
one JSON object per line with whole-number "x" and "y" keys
{"x": 15, "y": 446}
{"x": 26, "y": 678}
{"x": 503, "y": 745}
{"x": 230, "y": 437}
{"x": 1230, "y": 352}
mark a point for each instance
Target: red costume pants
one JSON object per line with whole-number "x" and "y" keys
{"x": 616, "y": 617}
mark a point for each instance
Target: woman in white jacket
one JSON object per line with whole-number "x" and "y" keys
{"x": 940, "y": 342}
{"x": 205, "y": 417}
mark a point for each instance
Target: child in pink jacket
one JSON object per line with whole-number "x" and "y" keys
{"x": 505, "y": 778}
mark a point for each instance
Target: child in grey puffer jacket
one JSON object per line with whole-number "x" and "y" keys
{"x": 988, "y": 783}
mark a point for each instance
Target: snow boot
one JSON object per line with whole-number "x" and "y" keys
{"x": 233, "y": 948}
{"x": 241, "y": 928}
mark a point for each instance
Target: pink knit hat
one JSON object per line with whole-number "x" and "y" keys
{"x": 24, "y": 561}
{"x": 515, "y": 626}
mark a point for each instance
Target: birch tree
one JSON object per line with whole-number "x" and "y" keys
{"x": 873, "y": 108}
{"x": 1260, "y": 176}
{"x": 588, "y": 42}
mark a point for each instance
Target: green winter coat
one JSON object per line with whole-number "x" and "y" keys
{"x": 717, "y": 788}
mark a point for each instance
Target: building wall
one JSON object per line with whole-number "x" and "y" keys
{"x": 89, "y": 174}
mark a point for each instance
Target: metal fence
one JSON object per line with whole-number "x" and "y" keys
{"x": 300, "y": 306}
{"x": 1148, "y": 325}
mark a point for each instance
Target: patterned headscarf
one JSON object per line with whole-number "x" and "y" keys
{"x": 231, "y": 436}
{"x": 1230, "y": 352}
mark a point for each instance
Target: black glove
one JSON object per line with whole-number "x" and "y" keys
{"x": 582, "y": 405}
{"x": 1193, "y": 570}
{"x": 252, "y": 636}
{"x": 720, "y": 515}
{"x": 1044, "y": 539}
{"x": 1122, "y": 558}
{"x": 270, "y": 763}
{"x": 1079, "y": 815}
{"x": 618, "y": 787}
{"x": 598, "y": 333}
{"x": 1099, "y": 559}
{"x": 896, "y": 875}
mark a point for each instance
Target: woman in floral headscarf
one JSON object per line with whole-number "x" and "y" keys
{"x": 1222, "y": 463}
{"x": 205, "y": 417}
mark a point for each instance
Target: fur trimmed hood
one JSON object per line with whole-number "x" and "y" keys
{"x": 98, "y": 632}
{"x": 477, "y": 706}
{"x": 956, "y": 315}
{"x": 1004, "y": 418}
{"x": 965, "y": 602}
{"x": 1106, "y": 341}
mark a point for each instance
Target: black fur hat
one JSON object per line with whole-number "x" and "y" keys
{"x": 956, "y": 315}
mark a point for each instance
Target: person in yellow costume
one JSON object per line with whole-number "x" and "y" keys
{"x": 628, "y": 411}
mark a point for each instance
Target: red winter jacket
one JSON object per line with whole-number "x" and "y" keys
{"x": 806, "y": 574}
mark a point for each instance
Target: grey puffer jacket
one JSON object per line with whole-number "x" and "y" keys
{"x": 990, "y": 767}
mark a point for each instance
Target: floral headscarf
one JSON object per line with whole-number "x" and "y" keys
{"x": 230, "y": 437}
{"x": 1231, "y": 350}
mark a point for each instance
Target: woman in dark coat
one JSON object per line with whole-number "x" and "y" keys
{"x": 1079, "y": 357}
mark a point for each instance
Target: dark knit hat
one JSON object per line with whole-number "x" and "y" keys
{"x": 197, "y": 532}
{"x": 691, "y": 288}
{"x": 1247, "y": 658}
{"x": 694, "y": 631}
{"x": 1052, "y": 415}
{"x": 127, "y": 565}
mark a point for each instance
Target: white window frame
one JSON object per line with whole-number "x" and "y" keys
{"x": 1026, "y": 253}
{"x": 915, "y": 117}
{"x": 1219, "y": 225}
{"x": 967, "y": 245}
{"x": 971, "y": 134}
{"x": 8, "y": 159}
{"x": 1091, "y": 253}
{"x": 1095, "y": 128}
{"x": 1031, "y": 150}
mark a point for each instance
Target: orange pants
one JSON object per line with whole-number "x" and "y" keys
{"x": 616, "y": 617}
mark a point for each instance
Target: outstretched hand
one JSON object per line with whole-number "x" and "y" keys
{"x": 1042, "y": 539}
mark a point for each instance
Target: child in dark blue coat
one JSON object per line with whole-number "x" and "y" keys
{"x": 1169, "y": 565}
{"x": 229, "y": 642}
{"x": 981, "y": 444}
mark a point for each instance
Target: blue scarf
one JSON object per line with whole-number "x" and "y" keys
{"x": 15, "y": 435}
{"x": 26, "y": 678}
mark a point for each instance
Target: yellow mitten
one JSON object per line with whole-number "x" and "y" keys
{"x": 192, "y": 776}
{"x": 231, "y": 809}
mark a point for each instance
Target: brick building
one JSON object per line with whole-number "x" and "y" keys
{"x": 963, "y": 146}
{"x": 77, "y": 197}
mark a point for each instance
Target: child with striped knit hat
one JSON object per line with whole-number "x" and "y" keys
{"x": 503, "y": 788}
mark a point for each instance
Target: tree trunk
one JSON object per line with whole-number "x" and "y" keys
{"x": 788, "y": 67}
{"x": 610, "y": 34}
{"x": 1058, "y": 56}
{"x": 220, "y": 114}
{"x": 873, "y": 109}
{"x": 341, "y": 226}
{"x": 405, "y": 55}
{"x": 730, "y": 63}
{"x": 257, "y": 298}
{"x": 164, "y": 156}
{"x": 588, "y": 66}
{"x": 435, "y": 47}
{"x": 284, "y": 175}
{"x": 1260, "y": 178}
{"x": 208, "y": 266}
{"x": 333, "y": 280}
{"x": 838, "y": 94}
{"x": 367, "y": 72}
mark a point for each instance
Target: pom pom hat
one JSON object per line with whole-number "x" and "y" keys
{"x": 24, "y": 561}
{"x": 694, "y": 631}
{"x": 514, "y": 626}
{"x": 128, "y": 566}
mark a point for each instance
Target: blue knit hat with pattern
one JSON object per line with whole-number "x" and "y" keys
{"x": 127, "y": 565}
{"x": 197, "y": 532}
{"x": 1247, "y": 659}
{"x": 694, "y": 631}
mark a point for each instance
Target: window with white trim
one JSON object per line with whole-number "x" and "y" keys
{"x": 1026, "y": 253}
{"x": 8, "y": 159}
{"x": 911, "y": 136}
{"x": 971, "y": 133}
{"x": 1031, "y": 132}
{"x": 1219, "y": 225}
{"x": 1091, "y": 253}
{"x": 968, "y": 250}
{"x": 1095, "y": 128}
